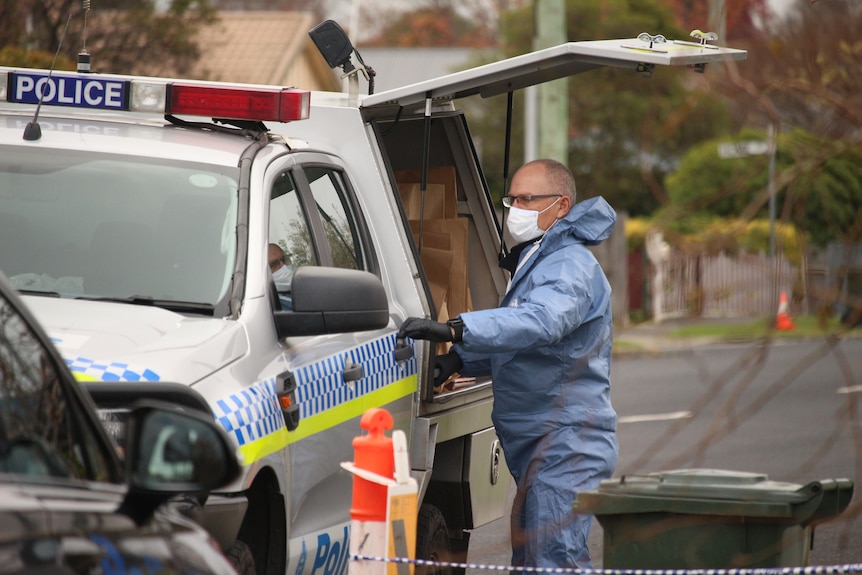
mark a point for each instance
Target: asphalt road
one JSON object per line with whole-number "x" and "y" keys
{"x": 789, "y": 410}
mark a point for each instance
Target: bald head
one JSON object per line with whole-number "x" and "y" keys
{"x": 557, "y": 178}
{"x": 545, "y": 186}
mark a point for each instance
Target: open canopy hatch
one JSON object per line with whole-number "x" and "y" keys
{"x": 554, "y": 63}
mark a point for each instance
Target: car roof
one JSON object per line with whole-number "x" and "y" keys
{"x": 111, "y": 133}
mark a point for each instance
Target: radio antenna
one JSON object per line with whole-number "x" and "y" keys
{"x": 83, "y": 55}
{"x": 32, "y": 131}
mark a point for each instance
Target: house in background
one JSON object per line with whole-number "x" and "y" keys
{"x": 396, "y": 67}
{"x": 264, "y": 47}
{"x": 273, "y": 47}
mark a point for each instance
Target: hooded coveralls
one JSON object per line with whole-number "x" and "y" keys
{"x": 548, "y": 348}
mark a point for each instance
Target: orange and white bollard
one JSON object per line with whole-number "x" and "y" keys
{"x": 782, "y": 318}
{"x": 384, "y": 508}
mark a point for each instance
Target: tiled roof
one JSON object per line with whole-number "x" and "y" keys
{"x": 263, "y": 47}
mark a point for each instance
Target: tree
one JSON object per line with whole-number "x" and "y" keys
{"x": 122, "y": 36}
{"x": 316, "y": 7}
{"x": 432, "y": 26}
{"x": 471, "y": 22}
{"x": 805, "y": 82}
{"x": 625, "y": 132}
{"x": 806, "y": 71}
{"x": 743, "y": 18}
{"x": 819, "y": 186}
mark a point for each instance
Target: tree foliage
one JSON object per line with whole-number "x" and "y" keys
{"x": 122, "y": 36}
{"x": 801, "y": 76}
{"x": 818, "y": 185}
{"x": 434, "y": 27}
{"x": 743, "y": 18}
{"x": 806, "y": 71}
{"x": 625, "y": 131}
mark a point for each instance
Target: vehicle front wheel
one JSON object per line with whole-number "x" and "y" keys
{"x": 432, "y": 541}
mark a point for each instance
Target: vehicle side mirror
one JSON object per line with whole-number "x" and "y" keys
{"x": 171, "y": 451}
{"x": 333, "y": 300}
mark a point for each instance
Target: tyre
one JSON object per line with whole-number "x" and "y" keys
{"x": 264, "y": 527}
{"x": 432, "y": 541}
{"x": 241, "y": 558}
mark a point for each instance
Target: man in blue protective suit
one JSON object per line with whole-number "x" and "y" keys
{"x": 548, "y": 349}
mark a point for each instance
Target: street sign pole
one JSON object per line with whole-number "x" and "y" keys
{"x": 729, "y": 150}
{"x": 771, "y": 144}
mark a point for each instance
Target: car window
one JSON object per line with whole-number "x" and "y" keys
{"x": 41, "y": 434}
{"x": 288, "y": 228}
{"x": 332, "y": 203}
{"x": 114, "y": 226}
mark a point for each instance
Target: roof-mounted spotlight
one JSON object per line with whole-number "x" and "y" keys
{"x": 335, "y": 47}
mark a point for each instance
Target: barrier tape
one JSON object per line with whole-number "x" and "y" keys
{"x": 812, "y": 570}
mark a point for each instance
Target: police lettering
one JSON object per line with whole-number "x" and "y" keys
{"x": 331, "y": 557}
{"x": 69, "y": 91}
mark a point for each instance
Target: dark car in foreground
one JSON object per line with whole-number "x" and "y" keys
{"x": 69, "y": 503}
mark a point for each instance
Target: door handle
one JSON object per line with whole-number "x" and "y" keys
{"x": 403, "y": 350}
{"x": 353, "y": 372}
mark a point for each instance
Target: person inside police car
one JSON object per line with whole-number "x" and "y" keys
{"x": 282, "y": 274}
{"x": 548, "y": 349}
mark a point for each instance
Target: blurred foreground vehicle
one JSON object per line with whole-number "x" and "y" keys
{"x": 67, "y": 504}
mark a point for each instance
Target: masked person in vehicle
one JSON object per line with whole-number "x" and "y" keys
{"x": 282, "y": 275}
{"x": 548, "y": 349}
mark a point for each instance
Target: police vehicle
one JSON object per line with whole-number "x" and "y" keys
{"x": 137, "y": 215}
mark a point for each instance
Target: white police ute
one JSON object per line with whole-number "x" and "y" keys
{"x": 254, "y": 249}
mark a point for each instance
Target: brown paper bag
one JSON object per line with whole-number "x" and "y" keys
{"x": 457, "y": 297}
{"x": 443, "y": 175}
{"x": 435, "y": 200}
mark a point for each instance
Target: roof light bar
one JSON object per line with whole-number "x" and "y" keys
{"x": 276, "y": 104}
{"x": 210, "y": 99}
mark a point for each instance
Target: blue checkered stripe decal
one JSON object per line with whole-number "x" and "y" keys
{"x": 110, "y": 370}
{"x": 320, "y": 386}
{"x": 252, "y": 413}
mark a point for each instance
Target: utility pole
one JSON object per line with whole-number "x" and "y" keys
{"x": 552, "y": 114}
{"x": 718, "y": 20}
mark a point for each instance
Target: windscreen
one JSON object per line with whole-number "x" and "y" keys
{"x": 103, "y": 226}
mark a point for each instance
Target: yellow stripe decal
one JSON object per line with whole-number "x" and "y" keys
{"x": 354, "y": 408}
{"x": 274, "y": 442}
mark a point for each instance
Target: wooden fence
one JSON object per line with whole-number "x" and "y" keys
{"x": 742, "y": 285}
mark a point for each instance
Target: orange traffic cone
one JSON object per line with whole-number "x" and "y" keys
{"x": 782, "y": 319}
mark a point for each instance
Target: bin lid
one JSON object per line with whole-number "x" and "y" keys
{"x": 707, "y": 484}
{"x": 716, "y": 492}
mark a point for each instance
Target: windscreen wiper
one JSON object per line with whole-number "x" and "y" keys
{"x": 173, "y": 305}
{"x": 39, "y": 292}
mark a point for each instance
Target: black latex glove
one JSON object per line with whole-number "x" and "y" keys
{"x": 445, "y": 366}
{"x": 420, "y": 328}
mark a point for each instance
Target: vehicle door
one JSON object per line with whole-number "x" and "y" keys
{"x": 315, "y": 218}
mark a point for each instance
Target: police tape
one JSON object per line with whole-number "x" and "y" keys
{"x": 811, "y": 570}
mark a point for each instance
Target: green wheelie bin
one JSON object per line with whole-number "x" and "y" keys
{"x": 710, "y": 519}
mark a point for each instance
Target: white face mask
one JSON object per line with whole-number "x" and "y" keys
{"x": 523, "y": 225}
{"x": 283, "y": 277}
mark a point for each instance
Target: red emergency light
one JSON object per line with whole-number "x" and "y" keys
{"x": 264, "y": 104}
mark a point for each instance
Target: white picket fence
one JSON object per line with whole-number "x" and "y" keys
{"x": 741, "y": 285}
